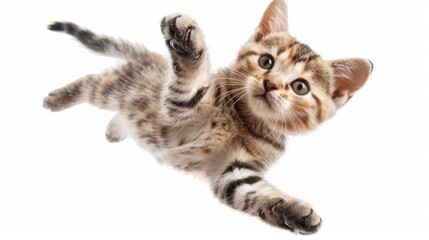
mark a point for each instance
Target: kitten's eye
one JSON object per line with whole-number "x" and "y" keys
{"x": 266, "y": 62}
{"x": 300, "y": 86}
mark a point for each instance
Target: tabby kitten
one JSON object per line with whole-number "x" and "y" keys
{"x": 229, "y": 126}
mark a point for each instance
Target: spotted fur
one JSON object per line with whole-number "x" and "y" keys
{"x": 228, "y": 126}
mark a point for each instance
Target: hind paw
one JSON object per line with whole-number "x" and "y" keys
{"x": 62, "y": 98}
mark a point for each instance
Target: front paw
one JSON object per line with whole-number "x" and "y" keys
{"x": 183, "y": 36}
{"x": 295, "y": 216}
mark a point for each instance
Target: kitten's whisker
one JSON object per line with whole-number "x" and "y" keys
{"x": 238, "y": 99}
{"x": 223, "y": 96}
{"x": 297, "y": 116}
{"x": 246, "y": 75}
{"x": 290, "y": 118}
{"x": 232, "y": 84}
{"x": 237, "y": 79}
{"x": 234, "y": 96}
{"x": 226, "y": 94}
{"x": 276, "y": 116}
{"x": 243, "y": 92}
{"x": 233, "y": 90}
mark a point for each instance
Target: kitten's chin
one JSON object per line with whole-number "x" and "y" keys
{"x": 268, "y": 111}
{"x": 261, "y": 105}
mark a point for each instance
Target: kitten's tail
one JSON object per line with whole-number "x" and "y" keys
{"x": 100, "y": 43}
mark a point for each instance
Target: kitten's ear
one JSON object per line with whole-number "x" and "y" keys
{"x": 349, "y": 75}
{"x": 274, "y": 20}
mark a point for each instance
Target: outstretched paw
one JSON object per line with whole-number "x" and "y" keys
{"x": 183, "y": 36}
{"x": 62, "y": 98}
{"x": 295, "y": 216}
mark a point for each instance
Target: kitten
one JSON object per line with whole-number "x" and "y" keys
{"x": 229, "y": 126}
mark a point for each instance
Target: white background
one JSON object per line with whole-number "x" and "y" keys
{"x": 365, "y": 171}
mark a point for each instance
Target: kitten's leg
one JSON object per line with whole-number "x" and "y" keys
{"x": 105, "y": 91}
{"x": 70, "y": 95}
{"x": 242, "y": 187}
{"x": 115, "y": 132}
{"x": 101, "y": 44}
{"x": 190, "y": 64}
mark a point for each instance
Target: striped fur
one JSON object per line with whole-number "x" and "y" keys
{"x": 228, "y": 126}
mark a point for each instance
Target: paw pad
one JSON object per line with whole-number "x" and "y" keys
{"x": 182, "y": 36}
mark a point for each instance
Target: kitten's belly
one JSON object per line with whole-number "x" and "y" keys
{"x": 191, "y": 162}
{"x": 197, "y": 158}
{"x": 193, "y": 149}
{"x": 201, "y": 154}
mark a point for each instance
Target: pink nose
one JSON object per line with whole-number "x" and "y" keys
{"x": 269, "y": 86}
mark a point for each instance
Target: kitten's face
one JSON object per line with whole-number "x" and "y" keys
{"x": 287, "y": 84}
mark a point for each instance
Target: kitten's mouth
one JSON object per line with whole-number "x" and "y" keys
{"x": 263, "y": 98}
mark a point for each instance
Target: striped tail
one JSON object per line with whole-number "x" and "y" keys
{"x": 99, "y": 43}
{"x": 242, "y": 187}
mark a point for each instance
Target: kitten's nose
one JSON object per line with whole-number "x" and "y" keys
{"x": 269, "y": 86}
